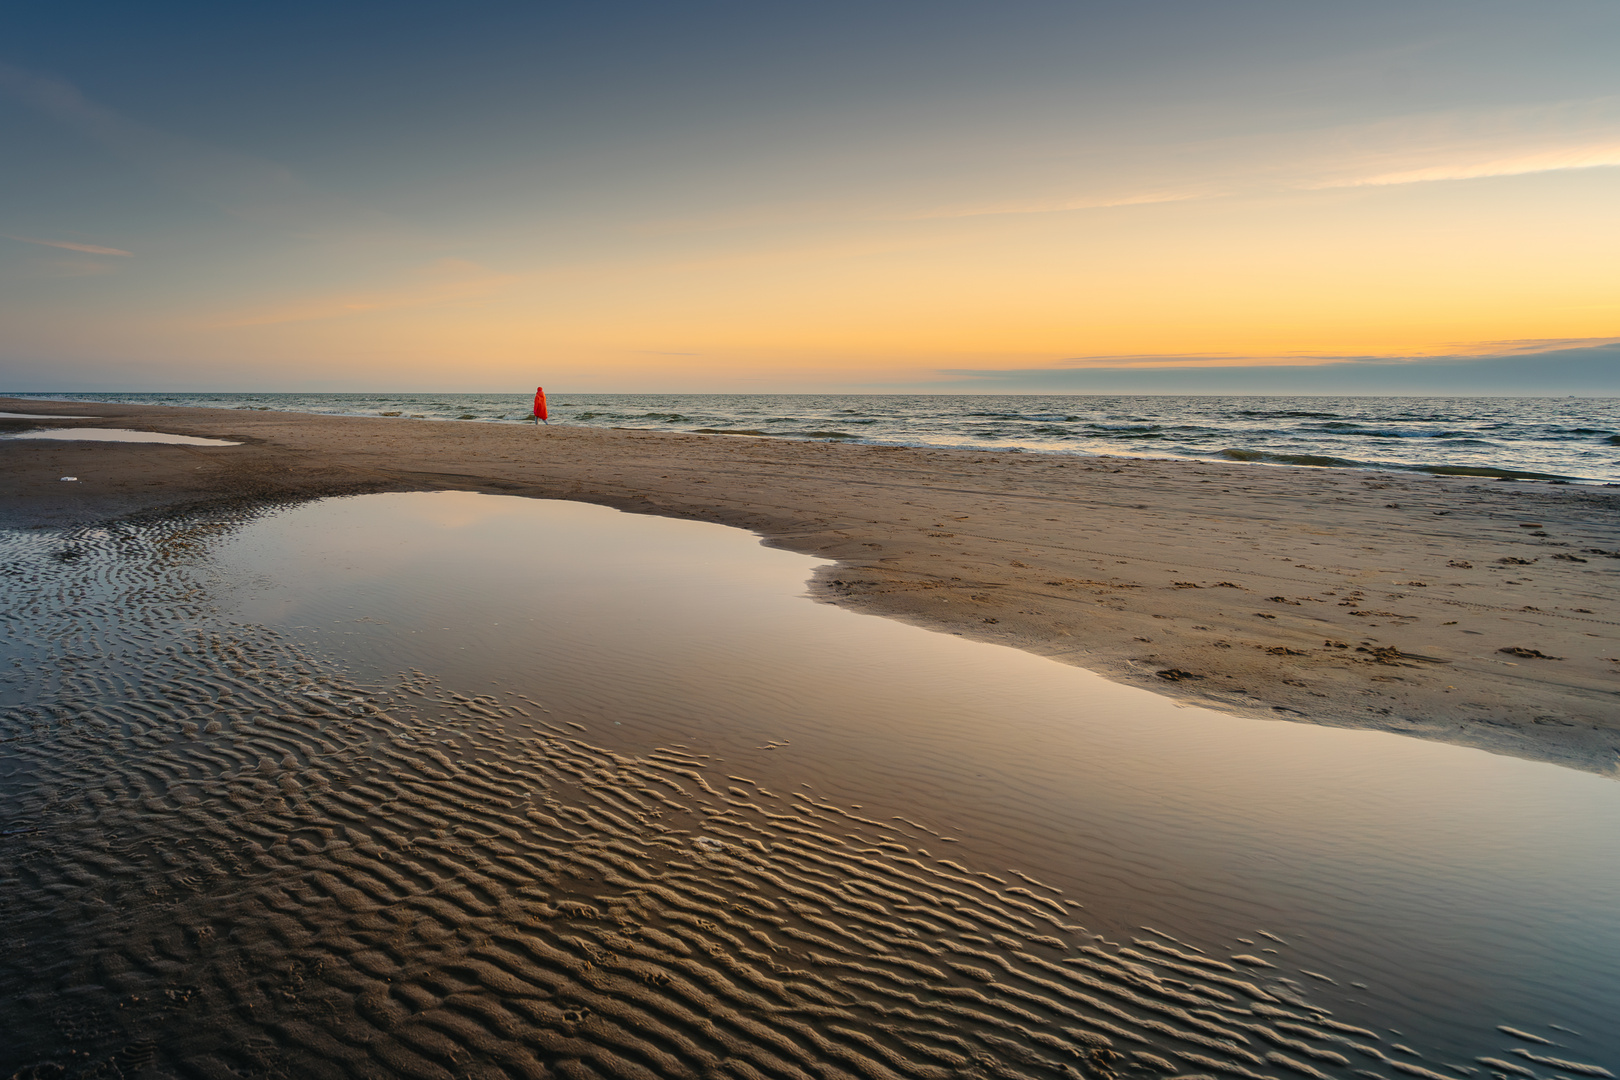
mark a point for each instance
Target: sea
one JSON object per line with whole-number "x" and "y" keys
{"x": 1567, "y": 439}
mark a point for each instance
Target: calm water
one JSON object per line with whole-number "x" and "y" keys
{"x": 1576, "y": 438}
{"x": 120, "y": 435}
{"x": 457, "y": 778}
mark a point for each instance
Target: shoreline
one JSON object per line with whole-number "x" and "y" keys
{"x": 1015, "y": 431}
{"x": 1353, "y": 598}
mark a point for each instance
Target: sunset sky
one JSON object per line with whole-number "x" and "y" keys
{"x": 887, "y": 195}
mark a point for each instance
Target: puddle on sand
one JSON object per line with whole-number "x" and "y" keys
{"x": 120, "y": 435}
{"x": 39, "y": 416}
{"x": 235, "y": 837}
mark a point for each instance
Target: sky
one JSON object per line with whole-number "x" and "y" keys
{"x": 1162, "y": 196}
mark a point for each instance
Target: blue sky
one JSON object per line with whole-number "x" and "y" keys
{"x": 839, "y": 196}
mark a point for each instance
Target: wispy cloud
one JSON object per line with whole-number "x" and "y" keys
{"x": 1563, "y": 366}
{"x": 184, "y": 163}
{"x": 1528, "y": 346}
{"x": 68, "y": 245}
{"x": 1198, "y": 360}
{"x": 242, "y": 185}
{"x": 1115, "y": 173}
{"x": 1541, "y": 161}
{"x": 1455, "y": 144}
{"x": 442, "y": 282}
{"x": 1465, "y": 145}
{"x": 1057, "y": 206}
{"x": 1455, "y": 352}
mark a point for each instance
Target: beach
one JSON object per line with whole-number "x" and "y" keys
{"x": 1457, "y": 609}
{"x": 369, "y": 747}
{"x": 787, "y": 542}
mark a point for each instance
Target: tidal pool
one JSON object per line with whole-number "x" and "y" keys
{"x": 39, "y": 416}
{"x": 121, "y": 435}
{"x": 411, "y": 782}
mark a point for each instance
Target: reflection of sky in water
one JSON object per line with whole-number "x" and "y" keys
{"x": 1465, "y": 889}
{"x": 119, "y": 435}
{"x": 38, "y": 416}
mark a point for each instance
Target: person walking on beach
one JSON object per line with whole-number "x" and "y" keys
{"x": 540, "y": 413}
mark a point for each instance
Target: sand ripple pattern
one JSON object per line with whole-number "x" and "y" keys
{"x": 221, "y": 857}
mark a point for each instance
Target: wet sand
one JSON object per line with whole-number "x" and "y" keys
{"x": 228, "y": 849}
{"x": 237, "y": 840}
{"x": 1470, "y": 611}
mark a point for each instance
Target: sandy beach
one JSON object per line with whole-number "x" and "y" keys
{"x": 1468, "y": 611}
{"x": 436, "y": 781}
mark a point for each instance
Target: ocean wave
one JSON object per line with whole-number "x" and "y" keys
{"x": 1500, "y": 474}
{"x": 1324, "y": 462}
{"x": 1235, "y": 454}
{"x": 1033, "y": 418}
{"x": 1386, "y": 433}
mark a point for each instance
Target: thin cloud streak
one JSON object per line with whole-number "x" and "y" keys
{"x": 1469, "y": 145}
{"x": 1398, "y": 150}
{"x": 68, "y": 245}
{"x": 1191, "y": 361}
{"x": 1058, "y": 206}
{"x": 1584, "y": 369}
{"x": 1460, "y": 353}
{"x": 478, "y": 284}
{"x": 1392, "y": 151}
{"x": 249, "y": 188}
{"x": 1560, "y": 160}
{"x": 1536, "y": 345}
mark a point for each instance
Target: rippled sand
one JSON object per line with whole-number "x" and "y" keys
{"x": 223, "y": 856}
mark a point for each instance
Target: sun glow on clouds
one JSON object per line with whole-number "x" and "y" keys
{"x": 1059, "y": 206}
{"x": 1586, "y": 157}
{"x": 68, "y": 245}
{"x": 446, "y": 281}
{"x": 1460, "y": 145}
